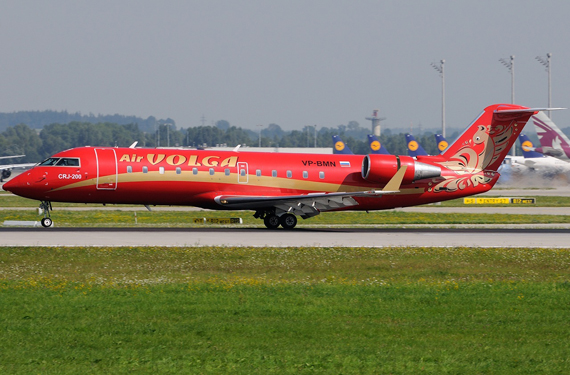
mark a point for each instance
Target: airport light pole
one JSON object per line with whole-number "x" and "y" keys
{"x": 259, "y": 135}
{"x": 510, "y": 64}
{"x": 441, "y": 70}
{"x": 167, "y": 135}
{"x": 546, "y": 63}
{"x": 315, "y": 135}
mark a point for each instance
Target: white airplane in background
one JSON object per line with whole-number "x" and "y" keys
{"x": 538, "y": 162}
{"x": 6, "y": 169}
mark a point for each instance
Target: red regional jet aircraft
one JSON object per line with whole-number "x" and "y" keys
{"x": 277, "y": 186}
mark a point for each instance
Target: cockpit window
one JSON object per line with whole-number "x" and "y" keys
{"x": 61, "y": 162}
{"x": 68, "y": 162}
{"x": 49, "y": 161}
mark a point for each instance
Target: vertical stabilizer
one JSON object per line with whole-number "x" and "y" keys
{"x": 528, "y": 148}
{"x": 375, "y": 146}
{"x": 486, "y": 142}
{"x": 340, "y": 147}
{"x": 414, "y": 148}
{"x": 553, "y": 141}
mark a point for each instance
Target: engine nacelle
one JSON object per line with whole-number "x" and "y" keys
{"x": 381, "y": 168}
{"x": 6, "y": 173}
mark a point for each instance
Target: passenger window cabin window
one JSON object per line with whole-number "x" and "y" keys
{"x": 289, "y": 174}
{"x": 322, "y": 175}
{"x": 145, "y": 169}
{"x": 227, "y": 171}
{"x": 129, "y": 169}
{"x": 274, "y": 173}
{"x": 178, "y": 170}
{"x": 211, "y": 171}
{"x": 194, "y": 170}
{"x": 242, "y": 172}
{"x": 161, "y": 170}
{"x": 305, "y": 174}
{"x": 258, "y": 173}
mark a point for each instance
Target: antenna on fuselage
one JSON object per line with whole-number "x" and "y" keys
{"x": 134, "y": 144}
{"x": 236, "y": 148}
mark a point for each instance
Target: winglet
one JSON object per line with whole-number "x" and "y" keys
{"x": 396, "y": 180}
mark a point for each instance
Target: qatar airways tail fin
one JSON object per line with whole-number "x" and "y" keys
{"x": 414, "y": 148}
{"x": 340, "y": 147}
{"x": 375, "y": 146}
{"x": 486, "y": 142}
{"x": 553, "y": 141}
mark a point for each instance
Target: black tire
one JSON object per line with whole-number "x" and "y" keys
{"x": 271, "y": 221}
{"x": 46, "y": 222}
{"x": 288, "y": 221}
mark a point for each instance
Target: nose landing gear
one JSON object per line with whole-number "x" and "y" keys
{"x": 45, "y": 207}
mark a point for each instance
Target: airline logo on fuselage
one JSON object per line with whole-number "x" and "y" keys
{"x": 177, "y": 159}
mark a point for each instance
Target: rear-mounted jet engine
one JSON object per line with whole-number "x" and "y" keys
{"x": 381, "y": 168}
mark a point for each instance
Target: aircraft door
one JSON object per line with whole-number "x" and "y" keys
{"x": 242, "y": 172}
{"x": 107, "y": 178}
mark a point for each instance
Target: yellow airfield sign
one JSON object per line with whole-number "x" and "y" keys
{"x": 501, "y": 200}
{"x": 227, "y": 220}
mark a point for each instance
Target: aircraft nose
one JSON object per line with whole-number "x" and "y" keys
{"x": 14, "y": 185}
{"x": 9, "y": 185}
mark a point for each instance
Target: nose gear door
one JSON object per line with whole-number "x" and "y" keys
{"x": 107, "y": 178}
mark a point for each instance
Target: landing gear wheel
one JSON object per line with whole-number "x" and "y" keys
{"x": 288, "y": 221}
{"x": 271, "y": 221}
{"x": 46, "y": 222}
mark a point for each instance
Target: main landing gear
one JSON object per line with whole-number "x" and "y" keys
{"x": 45, "y": 207}
{"x": 272, "y": 221}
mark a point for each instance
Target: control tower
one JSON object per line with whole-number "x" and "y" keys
{"x": 375, "y": 122}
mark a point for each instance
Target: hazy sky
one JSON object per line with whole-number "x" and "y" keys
{"x": 293, "y": 63}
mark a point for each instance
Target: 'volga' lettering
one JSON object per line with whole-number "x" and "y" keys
{"x": 207, "y": 163}
{"x": 176, "y": 160}
{"x": 229, "y": 162}
{"x": 155, "y": 159}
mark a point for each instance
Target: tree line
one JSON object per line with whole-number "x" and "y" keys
{"x": 56, "y": 137}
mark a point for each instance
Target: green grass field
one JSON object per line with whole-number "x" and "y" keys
{"x": 284, "y": 311}
{"x": 9, "y": 200}
{"x": 115, "y": 218}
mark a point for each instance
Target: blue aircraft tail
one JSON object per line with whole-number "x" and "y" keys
{"x": 528, "y": 148}
{"x": 340, "y": 147}
{"x": 414, "y": 148}
{"x": 441, "y": 143}
{"x": 375, "y": 146}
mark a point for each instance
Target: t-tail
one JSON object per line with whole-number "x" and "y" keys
{"x": 414, "y": 148}
{"x": 553, "y": 141}
{"x": 441, "y": 143}
{"x": 375, "y": 146}
{"x": 340, "y": 147}
{"x": 528, "y": 148}
{"x": 486, "y": 142}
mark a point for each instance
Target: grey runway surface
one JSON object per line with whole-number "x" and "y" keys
{"x": 368, "y": 237}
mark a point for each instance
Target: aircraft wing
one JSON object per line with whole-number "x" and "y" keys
{"x": 12, "y": 156}
{"x": 311, "y": 204}
{"x": 306, "y": 206}
{"x": 10, "y": 166}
